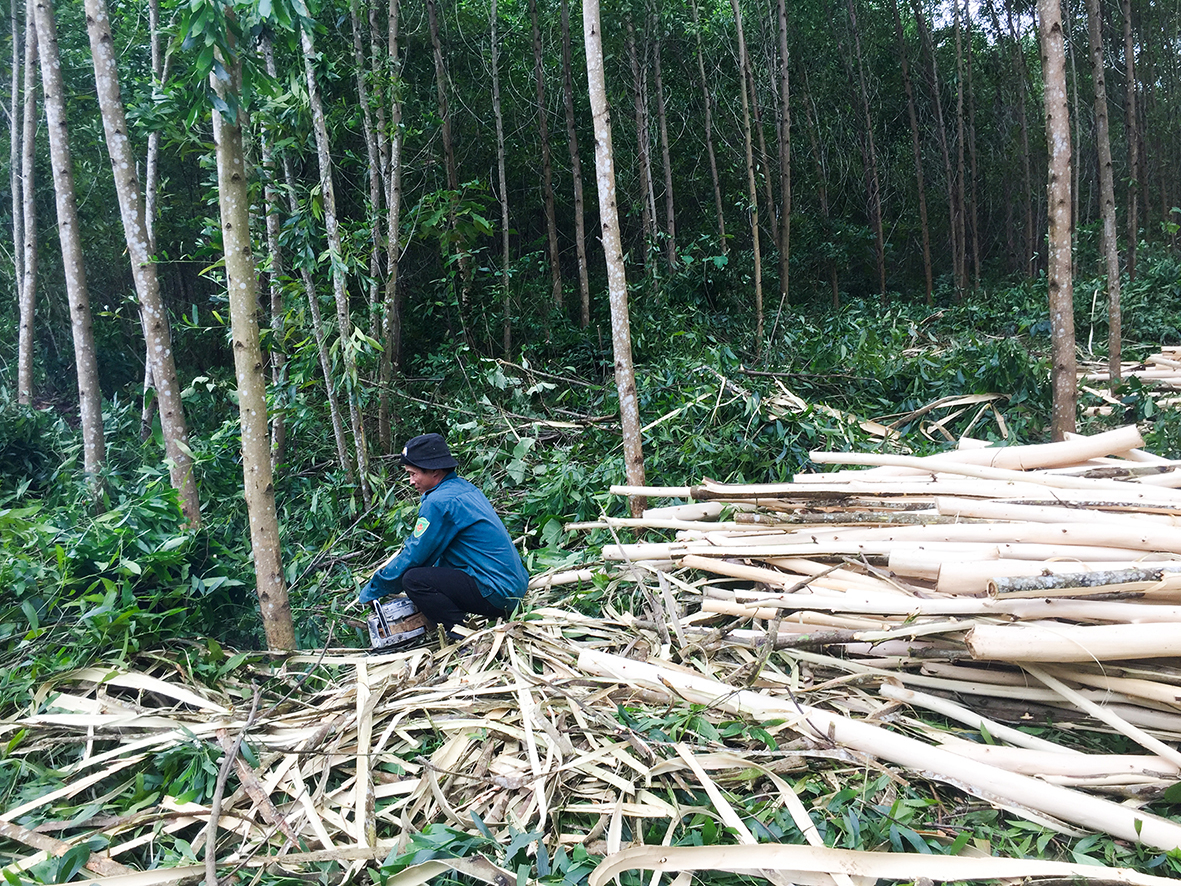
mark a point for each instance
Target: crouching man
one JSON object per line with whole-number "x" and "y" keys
{"x": 459, "y": 560}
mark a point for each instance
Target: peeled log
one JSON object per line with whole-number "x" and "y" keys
{"x": 1018, "y": 791}
{"x": 1040, "y": 456}
{"x": 1074, "y": 642}
{"x": 995, "y": 576}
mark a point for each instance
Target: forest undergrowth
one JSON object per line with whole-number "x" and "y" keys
{"x": 539, "y": 434}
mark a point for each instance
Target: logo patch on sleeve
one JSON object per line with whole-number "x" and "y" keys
{"x": 421, "y": 526}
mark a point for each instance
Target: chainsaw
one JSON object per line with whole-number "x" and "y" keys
{"x": 395, "y": 623}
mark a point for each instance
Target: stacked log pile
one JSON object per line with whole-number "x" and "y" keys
{"x": 846, "y": 614}
{"x": 1160, "y": 374}
{"x": 1034, "y": 584}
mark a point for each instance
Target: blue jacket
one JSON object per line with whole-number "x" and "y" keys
{"x": 457, "y": 528}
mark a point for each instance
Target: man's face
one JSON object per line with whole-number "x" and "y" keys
{"x": 424, "y": 481}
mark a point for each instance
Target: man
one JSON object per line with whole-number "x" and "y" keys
{"x": 459, "y": 559}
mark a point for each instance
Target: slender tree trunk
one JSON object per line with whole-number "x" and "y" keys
{"x": 575, "y": 172}
{"x": 670, "y": 216}
{"x": 336, "y": 257}
{"x": 86, "y": 361}
{"x": 784, "y": 159}
{"x": 157, "y": 335}
{"x": 872, "y": 182}
{"x": 502, "y": 180}
{"x": 625, "y": 376}
{"x": 242, "y": 285}
{"x": 1069, "y": 40}
{"x": 151, "y": 183}
{"x": 322, "y": 346}
{"x": 813, "y": 129}
{"x": 752, "y": 194}
{"x": 1135, "y": 174}
{"x": 972, "y": 208}
{"x": 391, "y": 338}
{"x": 463, "y": 258}
{"x": 953, "y": 216}
{"x": 278, "y": 272}
{"x": 152, "y": 160}
{"x": 643, "y": 155}
{"x": 374, "y": 171}
{"x": 547, "y": 166}
{"x": 1106, "y": 188}
{"x": 15, "y": 135}
{"x": 707, "y": 105}
{"x": 1028, "y": 201}
{"x": 1061, "y": 288}
{"x": 961, "y": 199}
{"x": 1149, "y": 150}
{"x": 764, "y": 162}
{"x": 309, "y": 288}
{"x": 916, "y": 149}
{"x": 27, "y": 245}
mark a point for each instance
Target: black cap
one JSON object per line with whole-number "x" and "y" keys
{"x": 428, "y": 452}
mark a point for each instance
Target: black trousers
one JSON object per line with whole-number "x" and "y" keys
{"x": 446, "y": 596}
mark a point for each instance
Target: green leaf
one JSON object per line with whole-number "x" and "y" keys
{"x": 71, "y": 862}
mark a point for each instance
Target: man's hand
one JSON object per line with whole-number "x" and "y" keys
{"x": 370, "y": 592}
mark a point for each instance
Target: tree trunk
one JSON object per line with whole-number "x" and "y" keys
{"x": 670, "y": 217}
{"x": 972, "y": 207}
{"x": 643, "y": 155}
{"x": 872, "y": 182}
{"x": 916, "y": 149}
{"x": 89, "y": 393}
{"x": 707, "y": 105}
{"x": 547, "y": 166}
{"x": 961, "y": 197}
{"x": 152, "y": 161}
{"x": 157, "y": 335}
{"x": 463, "y": 258}
{"x": 336, "y": 258}
{"x": 1131, "y": 125}
{"x": 1069, "y": 40}
{"x": 1031, "y": 244}
{"x": 1106, "y": 188}
{"x": 278, "y": 272}
{"x": 752, "y": 193}
{"x": 575, "y": 172}
{"x": 953, "y": 216}
{"x": 374, "y": 171}
{"x": 28, "y": 210}
{"x": 309, "y": 288}
{"x": 502, "y": 179}
{"x": 151, "y": 182}
{"x": 1063, "y": 371}
{"x": 391, "y": 326}
{"x": 764, "y": 163}
{"x": 625, "y": 376}
{"x": 15, "y": 133}
{"x": 784, "y": 159}
{"x": 242, "y": 285}
{"x": 813, "y": 129}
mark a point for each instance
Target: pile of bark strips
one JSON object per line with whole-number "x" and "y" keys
{"x": 990, "y": 587}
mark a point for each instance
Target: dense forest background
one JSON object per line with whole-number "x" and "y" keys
{"x": 846, "y": 198}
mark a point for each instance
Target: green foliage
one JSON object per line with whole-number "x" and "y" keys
{"x": 1150, "y": 303}
{"x": 525, "y": 855}
{"x": 30, "y": 450}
